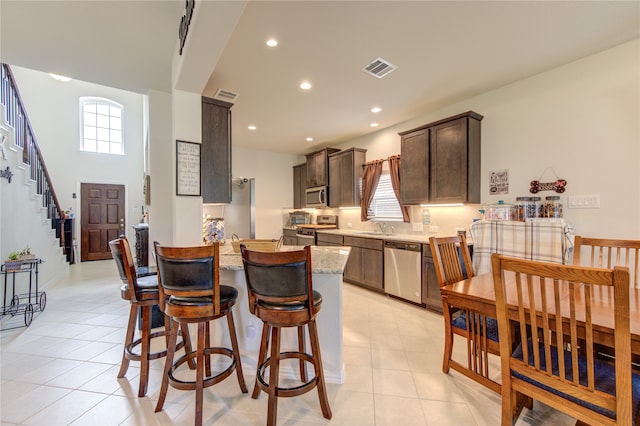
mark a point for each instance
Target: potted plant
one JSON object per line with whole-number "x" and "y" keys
{"x": 13, "y": 262}
{"x": 25, "y": 254}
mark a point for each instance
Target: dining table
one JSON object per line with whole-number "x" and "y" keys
{"x": 478, "y": 294}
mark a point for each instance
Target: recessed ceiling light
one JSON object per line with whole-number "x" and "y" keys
{"x": 60, "y": 77}
{"x": 373, "y": 124}
{"x": 376, "y": 109}
{"x": 309, "y": 139}
{"x": 272, "y": 42}
{"x": 305, "y": 85}
{"x": 251, "y": 127}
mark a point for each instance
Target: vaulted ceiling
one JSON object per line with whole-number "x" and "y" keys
{"x": 445, "y": 51}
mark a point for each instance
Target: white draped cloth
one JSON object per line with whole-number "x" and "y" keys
{"x": 550, "y": 241}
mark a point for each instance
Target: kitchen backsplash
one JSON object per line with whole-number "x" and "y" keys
{"x": 447, "y": 220}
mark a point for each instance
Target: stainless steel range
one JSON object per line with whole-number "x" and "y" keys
{"x": 307, "y": 232}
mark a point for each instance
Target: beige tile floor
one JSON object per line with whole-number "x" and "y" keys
{"x": 62, "y": 369}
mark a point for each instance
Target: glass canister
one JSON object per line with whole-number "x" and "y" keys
{"x": 535, "y": 208}
{"x": 552, "y": 207}
{"x": 500, "y": 211}
{"x": 522, "y": 206}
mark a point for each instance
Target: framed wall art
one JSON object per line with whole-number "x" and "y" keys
{"x": 187, "y": 168}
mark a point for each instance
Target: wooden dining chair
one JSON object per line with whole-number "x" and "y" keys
{"x": 546, "y": 364}
{"x": 607, "y": 253}
{"x": 452, "y": 264}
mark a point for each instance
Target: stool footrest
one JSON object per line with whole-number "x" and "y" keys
{"x": 208, "y": 381}
{"x": 287, "y": 392}
{"x": 129, "y": 350}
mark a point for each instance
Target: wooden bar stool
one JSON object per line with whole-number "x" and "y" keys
{"x": 142, "y": 293}
{"x": 192, "y": 294}
{"x": 280, "y": 292}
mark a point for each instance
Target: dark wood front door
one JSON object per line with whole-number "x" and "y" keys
{"x": 103, "y": 219}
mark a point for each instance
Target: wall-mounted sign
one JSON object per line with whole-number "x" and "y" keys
{"x": 184, "y": 23}
{"x": 499, "y": 182}
{"x": 187, "y": 168}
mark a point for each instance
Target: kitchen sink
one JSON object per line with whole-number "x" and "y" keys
{"x": 371, "y": 233}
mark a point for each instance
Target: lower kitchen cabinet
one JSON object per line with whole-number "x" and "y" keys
{"x": 329, "y": 239}
{"x": 365, "y": 264}
{"x": 290, "y": 237}
{"x": 430, "y": 288}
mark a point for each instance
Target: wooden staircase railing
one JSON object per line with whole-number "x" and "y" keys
{"x": 16, "y": 117}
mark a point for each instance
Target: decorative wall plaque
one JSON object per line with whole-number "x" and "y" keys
{"x": 187, "y": 168}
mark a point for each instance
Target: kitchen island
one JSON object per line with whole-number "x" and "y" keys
{"x": 328, "y": 264}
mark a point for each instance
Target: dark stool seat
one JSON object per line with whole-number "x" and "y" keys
{"x": 191, "y": 293}
{"x": 142, "y": 293}
{"x": 228, "y": 297}
{"x": 280, "y": 293}
{"x": 147, "y": 288}
{"x": 291, "y": 306}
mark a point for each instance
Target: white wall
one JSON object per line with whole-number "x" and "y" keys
{"x": 582, "y": 120}
{"x": 161, "y": 169}
{"x": 273, "y": 175}
{"x": 53, "y": 108}
{"x": 187, "y": 126}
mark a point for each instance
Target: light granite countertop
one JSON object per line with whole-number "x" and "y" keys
{"x": 324, "y": 259}
{"x": 412, "y": 238}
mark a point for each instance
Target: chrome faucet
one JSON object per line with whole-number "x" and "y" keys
{"x": 382, "y": 226}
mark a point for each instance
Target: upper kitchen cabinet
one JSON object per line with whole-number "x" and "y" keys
{"x": 345, "y": 172}
{"x": 318, "y": 167}
{"x": 455, "y": 160}
{"x": 299, "y": 185}
{"x": 216, "y": 151}
{"x": 414, "y": 169}
{"x": 441, "y": 161}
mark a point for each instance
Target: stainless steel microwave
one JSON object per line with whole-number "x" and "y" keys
{"x": 316, "y": 197}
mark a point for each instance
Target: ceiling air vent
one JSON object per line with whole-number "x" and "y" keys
{"x": 226, "y": 95}
{"x": 379, "y": 68}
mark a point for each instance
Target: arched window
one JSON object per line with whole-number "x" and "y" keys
{"x": 101, "y": 126}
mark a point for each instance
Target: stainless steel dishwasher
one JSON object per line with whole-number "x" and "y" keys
{"x": 402, "y": 270}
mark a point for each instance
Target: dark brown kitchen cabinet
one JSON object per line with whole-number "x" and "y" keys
{"x": 318, "y": 167}
{"x": 299, "y": 185}
{"x": 431, "y": 297}
{"x": 441, "y": 161}
{"x": 414, "y": 169}
{"x": 430, "y": 289}
{"x": 142, "y": 245}
{"x": 290, "y": 237}
{"x": 345, "y": 172}
{"x": 323, "y": 239}
{"x": 455, "y": 161}
{"x": 215, "y": 155}
{"x": 365, "y": 264}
